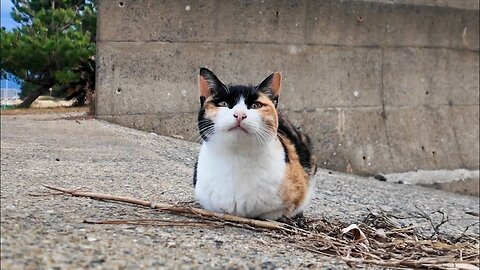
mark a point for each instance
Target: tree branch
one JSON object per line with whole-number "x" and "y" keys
{"x": 271, "y": 225}
{"x": 37, "y": 82}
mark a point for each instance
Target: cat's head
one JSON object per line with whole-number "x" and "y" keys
{"x": 238, "y": 112}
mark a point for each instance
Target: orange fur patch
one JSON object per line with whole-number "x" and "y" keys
{"x": 295, "y": 185}
{"x": 211, "y": 110}
{"x": 203, "y": 87}
{"x": 268, "y": 112}
{"x": 276, "y": 83}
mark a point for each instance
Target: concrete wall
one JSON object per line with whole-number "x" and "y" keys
{"x": 381, "y": 86}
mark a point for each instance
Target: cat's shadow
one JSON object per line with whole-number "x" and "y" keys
{"x": 298, "y": 221}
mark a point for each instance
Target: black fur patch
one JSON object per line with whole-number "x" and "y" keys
{"x": 195, "y": 174}
{"x": 231, "y": 95}
{"x": 303, "y": 144}
{"x": 203, "y": 124}
{"x": 202, "y": 101}
{"x": 287, "y": 159}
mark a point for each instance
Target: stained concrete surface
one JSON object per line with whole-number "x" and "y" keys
{"x": 48, "y": 231}
{"x": 459, "y": 181}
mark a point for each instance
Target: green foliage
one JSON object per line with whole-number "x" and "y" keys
{"x": 54, "y": 38}
{"x": 26, "y": 89}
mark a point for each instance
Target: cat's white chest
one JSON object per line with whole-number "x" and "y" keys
{"x": 244, "y": 183}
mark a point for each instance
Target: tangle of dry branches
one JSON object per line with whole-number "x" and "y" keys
{"x": 387, "y": 245}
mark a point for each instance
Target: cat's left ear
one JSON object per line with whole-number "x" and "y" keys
{"x": 271, "y": 86}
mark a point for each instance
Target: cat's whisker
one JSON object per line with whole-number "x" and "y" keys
{"x": 205, "y": 123}
{"x": 204, "y": 120}
{"x": 205, "y": 128}
{"x": 206, "y": 133}
{"x": 258, "y": 137}
{"x": 281, "y": 132}
{"x": 262, "y": 138}
{"x": 256, "y": 131}
{"x": 197, "y": 138}
{"x": 264, "y": 135}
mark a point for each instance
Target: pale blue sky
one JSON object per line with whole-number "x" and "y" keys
{"x": 7, "y": 22}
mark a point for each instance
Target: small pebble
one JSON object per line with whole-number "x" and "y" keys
{"x": 91, "y": 238}
{"x": 380, "y": 177}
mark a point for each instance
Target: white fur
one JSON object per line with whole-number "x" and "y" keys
{"x": 237, "y": 173}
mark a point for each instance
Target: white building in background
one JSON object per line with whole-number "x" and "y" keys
{"x": 9, "y": 93}
{"x": 9, "y": 96}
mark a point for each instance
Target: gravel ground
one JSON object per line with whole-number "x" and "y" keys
{"x": 40, "y": 232}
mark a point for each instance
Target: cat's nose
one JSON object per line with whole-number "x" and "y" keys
{"x": 240, "y": 116}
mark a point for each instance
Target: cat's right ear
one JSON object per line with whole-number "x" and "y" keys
{"x": 208, "y": 83}
{"x": 271, "y": 87}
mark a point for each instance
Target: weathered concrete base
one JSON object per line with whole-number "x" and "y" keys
{"x": 381, "y": 86}
{"x": 178, "y": 125}
{"x": 359, "y": 140}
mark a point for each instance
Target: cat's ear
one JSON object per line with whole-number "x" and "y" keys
{"x": 271, "y": 85}
{"x": 208, "y": 83}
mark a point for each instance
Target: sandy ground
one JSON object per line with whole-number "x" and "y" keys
{"x": 48, "y": 232}
{"x": 42, "y": 102}
{"x": 55, "y": 110}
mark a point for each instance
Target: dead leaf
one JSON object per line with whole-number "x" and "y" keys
{"x": 358, "y": 235}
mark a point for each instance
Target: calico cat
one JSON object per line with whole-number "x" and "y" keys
{"x": 253, "y": 162}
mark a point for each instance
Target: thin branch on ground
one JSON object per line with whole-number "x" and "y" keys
{"x": 464, "y": 233}
{"x": 51, "y": 193}
{"x": 45, "y": 194}
{"x": 435, "y": 226}
{"x": 272, "y": 225}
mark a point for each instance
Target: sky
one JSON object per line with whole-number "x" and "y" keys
{"x": 5, "y": 18}
{"x": 7, "y": 22}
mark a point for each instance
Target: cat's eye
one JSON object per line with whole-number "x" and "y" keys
{"x": 222, "y": 104}
{"x": 256, "y": 105}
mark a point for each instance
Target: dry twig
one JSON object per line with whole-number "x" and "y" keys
{"x": 436, "y": 227}
{"x": 272, "y": 225}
